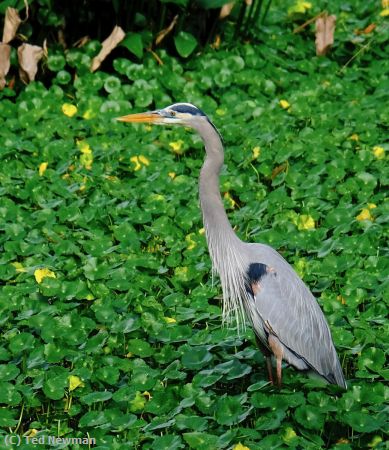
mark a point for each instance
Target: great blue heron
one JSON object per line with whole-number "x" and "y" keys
{"x": 256, "y": 280}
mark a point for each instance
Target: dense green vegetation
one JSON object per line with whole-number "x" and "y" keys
{"x": 110, "y": 324}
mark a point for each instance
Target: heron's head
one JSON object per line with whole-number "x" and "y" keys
{"x": 184, "y": 114}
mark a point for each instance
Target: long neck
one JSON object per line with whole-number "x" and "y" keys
{"x": 215, "y": 218}
{"x": 227, "y": 251}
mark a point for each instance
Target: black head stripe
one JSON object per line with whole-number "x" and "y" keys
{"x": 188, "y": 109}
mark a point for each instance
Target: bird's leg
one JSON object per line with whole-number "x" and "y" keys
{"x": 277, "y": 350}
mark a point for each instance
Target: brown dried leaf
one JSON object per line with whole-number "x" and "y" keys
{"x": 325, "y": 29}
{"x": 163, "y": 33}
{"x": 11, "y": 24}
{"x": 225, "y": 10}
{"x": 108, "y": 45}
{"x": 28, "y": 57}
{"x": 5, "y": 56}
{"x": 281, "y": 168}
{"x": 367, "y": 30}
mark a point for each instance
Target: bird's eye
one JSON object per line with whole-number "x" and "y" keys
{"x": 172, "y": 113}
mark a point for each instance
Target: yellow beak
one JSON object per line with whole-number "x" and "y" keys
{"x": 149, "y": 117}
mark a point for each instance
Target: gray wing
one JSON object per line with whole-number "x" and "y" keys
{"x": 285, "y": 307}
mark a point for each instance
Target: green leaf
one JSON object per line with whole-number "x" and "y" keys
{"x": 196, "y": 357}
{"x": 185, "y": 43}
{"x": 133, "y": 42}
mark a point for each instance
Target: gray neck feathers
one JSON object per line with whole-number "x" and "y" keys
{"x": 227, "y": 251}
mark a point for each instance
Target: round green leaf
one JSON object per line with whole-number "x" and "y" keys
{"x": 185, "y": 43}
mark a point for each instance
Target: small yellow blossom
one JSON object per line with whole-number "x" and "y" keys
{"x": 135, "y": 160}
{"x": 201, "y": 231}
{"x": 172, "y": 175}
{"x": 256, "y": 152}
{"x": 86, "y": 158}
{"x": 300, "y": 7}
{"x": 230, "y": 200}
{"x": 129, "y": 355}
{"x": 170, "y": 320}
{"x": 147, "y": 395}
{"x": 289, "y": 435}
{"x": 354, "y": 137}
{"x": 371, "y": 205}
{"x": 41, "y": 274}
{"x": 69, "y": 110}
{"x": 18, "y": 267}
{"x": 385, "y": 4}
{"x": 305, "y": 222}
{"x": 144, "y": 160}
{"x": 84, "y": 147}
{"x": 384, "y": 12}
{"x": 31, "y": 433}
{"x": 74, "y": 382}
{"x": 177, "y": 147}
{"x": 379, "y": 152}
{"x": 42, "y": 168}
{"x": 343, "y": 440}
{"x": 284, "y": 104}
{"x": 139, "y": 161}
{"x": 364, "y": 215}
{"x": 240, "y": 446}
{"x": 191, "y": 243}
{"x": 88, "y": 114}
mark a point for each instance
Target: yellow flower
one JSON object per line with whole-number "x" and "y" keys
{"x": 69, "y": 110}
{"x": 256, "y": 152}
{"x": 201, "y": 231}
{"x": 305, "y": 222}
{"x": 88, "y": 114}
{"x": 18, "y": 267}
{"x": 289, "y": 435}
{"x": 177, "y": 147}
{"x": 230, "y": 200}
{"x": 41, "y": 274}
{"x": 364, "y": 215}
{"x": 240, "y": 446}
{"x": 371, "y": 205}
{"x": 284, "y": 104}
{"x": 42, "y": 168}
{"x": 191, "y": 243}
{"x": 384, "y": 12}
{"x": 30, "y": 433}
{"x": 354, "y": 137}
{"x": 86, "y": 158}
{"x": 74, "y": 382}
{"x": 385, "y": 4}
{"x": 379, "y": 152}
{"x": 172, "y": 175}
{"x": 139, "y": 161}
{"x": 170, "y": 320}
{"x": 147, "y": 395}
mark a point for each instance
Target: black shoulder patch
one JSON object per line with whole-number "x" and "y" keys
{"x": 256, "y": 271}
{"x": 188, "y": 109}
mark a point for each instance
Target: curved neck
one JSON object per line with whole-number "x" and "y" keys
{"x": 215, "y": 218}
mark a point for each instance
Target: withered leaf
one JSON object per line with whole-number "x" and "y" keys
{"x": 163, "y": 33}
{"x": 5, "y": 56}
{"x": 225, "y": 10}
{"x": 108, "y": 45}
{"x": 11, "y": 24}
{"x": 28, "y": 57}
{"x": 325, "y": 29}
